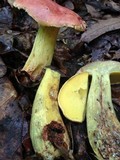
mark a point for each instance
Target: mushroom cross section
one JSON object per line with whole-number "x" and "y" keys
{"x": 72, "y": 97}
{"x": 102, "y": 124}
{"x": 50, "y": 17}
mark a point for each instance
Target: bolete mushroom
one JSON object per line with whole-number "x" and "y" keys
{"x": 50, "y": 16}
{"x": 72, "y": 97}
{"x": 48, "y": 133}
{"x": 102, "y": 124}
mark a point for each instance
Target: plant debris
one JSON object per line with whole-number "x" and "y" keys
{"x": 101, "y": 41}
{"x": 100, "y": 28}
{"x": 10, "y": 122}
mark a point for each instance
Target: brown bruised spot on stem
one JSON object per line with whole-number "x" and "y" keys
{"x": 54, "y": 132}
{"x": 39, "y": 155}
{"x": 53, "y": 93}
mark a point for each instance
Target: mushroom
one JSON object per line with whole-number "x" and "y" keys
{"x": 72, "y": 97}
{"x": 50, "y": 17}
{"x": 48, "y": 133}
{"x": 102, "y": 124}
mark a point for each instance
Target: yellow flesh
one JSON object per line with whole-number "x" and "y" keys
{"x": 72, "y": 97}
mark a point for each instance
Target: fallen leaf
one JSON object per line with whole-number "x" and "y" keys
{"x": 10, "y": 122}
{"x": 99, "y": 28}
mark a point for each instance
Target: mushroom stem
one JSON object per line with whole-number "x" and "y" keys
{"x": 102, "y": 124}
{"x": 42, "y": 51}
{"x": 103, "y": 128}
{"x": 47, "y": 130}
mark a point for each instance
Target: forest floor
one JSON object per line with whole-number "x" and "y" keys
{"x": 101, "y": 41}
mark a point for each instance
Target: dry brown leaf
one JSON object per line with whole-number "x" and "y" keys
{"x": 100, "y": 28}
{"x": 10, "y": 122}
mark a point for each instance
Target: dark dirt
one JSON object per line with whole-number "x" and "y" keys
{"x": 73, "y": 50}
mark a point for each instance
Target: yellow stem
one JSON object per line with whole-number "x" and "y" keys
{"x": 42, "y": 51}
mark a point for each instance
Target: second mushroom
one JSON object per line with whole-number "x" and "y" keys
{"x": 103, "y": 127}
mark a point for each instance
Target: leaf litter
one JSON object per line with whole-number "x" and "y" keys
{"x": 101, "y": 41}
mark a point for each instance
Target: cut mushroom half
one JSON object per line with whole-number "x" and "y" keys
{"x": 72, "y": 97}
{"x": 102, "y": 124}
{"x": 48, "y": 133}
{"x": 50, "y": 17}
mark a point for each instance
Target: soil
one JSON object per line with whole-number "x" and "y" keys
{"x": 101, "y": 41}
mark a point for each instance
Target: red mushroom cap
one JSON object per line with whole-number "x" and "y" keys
{"x": 49, "y": 13}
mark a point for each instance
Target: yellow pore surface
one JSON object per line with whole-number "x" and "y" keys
{"x": 73, "y": 96}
